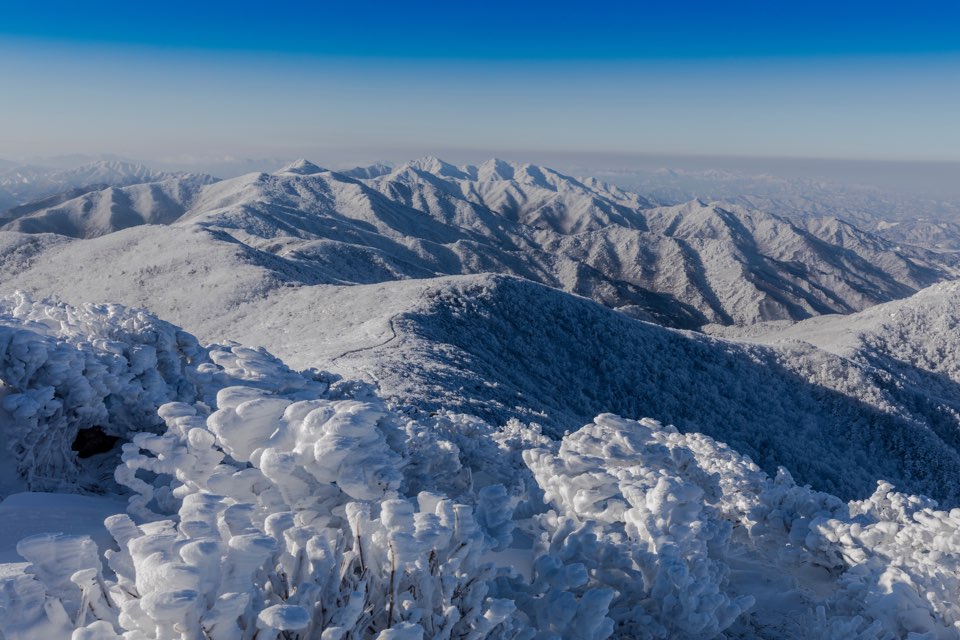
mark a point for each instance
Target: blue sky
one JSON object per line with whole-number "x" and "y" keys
{"x": 840, "y": 80}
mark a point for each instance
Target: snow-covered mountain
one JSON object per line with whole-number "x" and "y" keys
{"x": 683, "y": 266}
{"x": 292, "y": 261}
{"x": 916, "y": 333}
{"x": 96, "y": 212}
{"x": 532, "y": 196}
{"x": 403, "y": 428}
{"x": 13, "y": 212}
{"x": 941, "y": 235}
{"x": 262, "y": 502}
{"x": 502, "y": 349}
{"x": 27, "y": 183}
{"x": 898, "y": 215}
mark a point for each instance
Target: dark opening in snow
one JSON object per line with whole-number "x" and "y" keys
{"x": 91, "y": 441}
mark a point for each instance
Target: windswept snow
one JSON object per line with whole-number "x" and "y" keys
{"x": 63, "y": 369}
{"x": 29, "y": 514}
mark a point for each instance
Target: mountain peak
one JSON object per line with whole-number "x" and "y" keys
{"x": 496, "y": 169}
{"x": 302, "y": 167}
{"x": 438, "y": 167}
{"x": 374, "y": 170}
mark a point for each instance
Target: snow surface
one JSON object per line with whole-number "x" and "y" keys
{"x": 29, "y": 514}
{"x": 277, "y": 504}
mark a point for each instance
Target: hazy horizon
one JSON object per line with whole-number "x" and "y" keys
{"x": 800, "y": 90}
{"x": 934, "y": 179}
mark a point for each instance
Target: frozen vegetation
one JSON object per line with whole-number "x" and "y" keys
{"x": 266, "y": 503}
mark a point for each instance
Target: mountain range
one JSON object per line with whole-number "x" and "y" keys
{"x": 21, "y": 183}
{"x": 683, "y": 266}
{"x": 900, "y": 215}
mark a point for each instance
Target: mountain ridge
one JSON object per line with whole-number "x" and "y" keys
{"x": 685, "y": 266}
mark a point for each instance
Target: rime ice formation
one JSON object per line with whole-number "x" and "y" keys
{"x": 266, "y": 503}
{"x": 63, "y": 369}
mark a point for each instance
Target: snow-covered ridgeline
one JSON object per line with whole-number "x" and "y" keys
{"x": 302, "y": 509}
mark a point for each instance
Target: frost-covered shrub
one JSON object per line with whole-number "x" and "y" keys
{"x": 273, "y": 511}
{"x": 66, "y": 368}
{"x": 638, "y": 513}
{"x": 902, "y": 561}
{"x": 689, "y": 533}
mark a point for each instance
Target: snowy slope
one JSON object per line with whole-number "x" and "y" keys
{"x": 186, "y": 274}
{"x": 918, "y": 330}
{"x": 682, "y": 266}
{"x": 48, "y": 202}
{"x": 913, "y": 341}
{"x": 501, "y": 348}
{"x": 297, "y": 506}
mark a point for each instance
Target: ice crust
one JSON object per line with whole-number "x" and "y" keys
{"x": 266, "y": 503}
